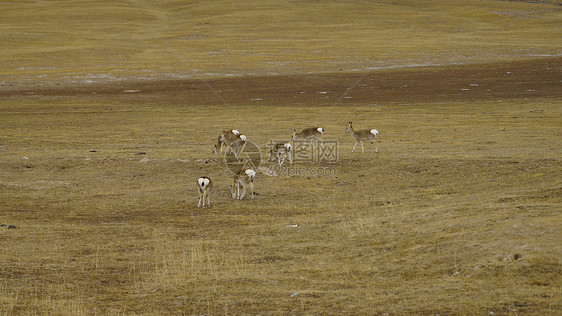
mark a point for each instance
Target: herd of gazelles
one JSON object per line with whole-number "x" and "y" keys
{"x": 234, "y": 143}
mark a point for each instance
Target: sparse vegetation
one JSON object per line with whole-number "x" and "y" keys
{"x": 101, "y": 144}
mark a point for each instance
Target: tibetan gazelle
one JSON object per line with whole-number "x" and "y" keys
{"x": 230, "y": 140}
{"x": 231, "y": 134}
{"x": 204, "y": 186}
{"x": 310, "y": 134}
{"x": 242, "y": 180}
{"x": 282, "y": 151}
{"x": 363, "y": 135}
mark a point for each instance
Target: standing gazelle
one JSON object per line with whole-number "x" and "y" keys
{"x": 204, "y": 186}
{"x": 243, "y": 179}
{"x": 282, "y": 151}
{"x": 363, "y": 135}
{"x": 310, "y": 134}
{"x": 229, "y": 140}
{"x": 238, "y": 145}
{"x": 231, "y": 134}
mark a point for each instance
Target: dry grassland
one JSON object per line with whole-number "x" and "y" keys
{"x": 103, "y": 135}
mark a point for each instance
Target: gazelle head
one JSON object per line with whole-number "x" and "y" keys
{"x": 320, "y": 130}
{"x": 218, "y": 145}
{"x": 349, "y": 127}
{"x": 288, "y": 146}
{"x": 294, "y": 135}
{"x": 223, "y": 136}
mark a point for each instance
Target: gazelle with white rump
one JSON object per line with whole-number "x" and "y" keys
{"x": 204, "y": 186}
{"x": 242, "y": 180}
{"x": 282, "y": 151}
{"x": 232, "y": 140}
{"x": 231, "y": 134}
{"x": 310, "y": 134}
{"x": 362, "y": 135}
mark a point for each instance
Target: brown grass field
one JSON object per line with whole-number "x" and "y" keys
{"x": 109, "y": 111}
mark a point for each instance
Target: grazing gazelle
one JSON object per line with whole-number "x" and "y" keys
{"x": 311, "y": 134}
{"x": 235, "y": 145}
{"x": 283, "y": 151}
{"x": 363, "y": 135}
{"x": 243, "y": 179}
{"x": 231, "y": 134}
{"x": 204, "y": 186}
{"x": 233, "y": 141}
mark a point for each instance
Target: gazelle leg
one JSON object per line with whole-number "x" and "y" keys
{"x": 354, "y": 147}
{"x": 290, "y": 158}
{"x": 238, "y": 191}
{"x": 200, "y": 196}
{"x": 243, "y": 192}
{"x": 240, "y": 149}
{"x": 208, "y": 199}
{"x": 204, "y": 197}
{"x": 362, "y": 148}
{"x": 252, "y": 189}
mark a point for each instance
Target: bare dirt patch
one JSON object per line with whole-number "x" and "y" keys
{"x": 471, "y": 82}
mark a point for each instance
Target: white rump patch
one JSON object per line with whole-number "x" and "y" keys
{"x": 203, "y": 182}
{"x": 288, "y": 146}
{"x": 250, "y": 173}
{"x": 243, "y": 138}
{"x": 374, "y": 132}
{"x": 235, "y": 132}
{"x": 320, "y": 130}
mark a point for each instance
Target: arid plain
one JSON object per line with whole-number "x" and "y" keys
{"x": 110, "y": 110}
